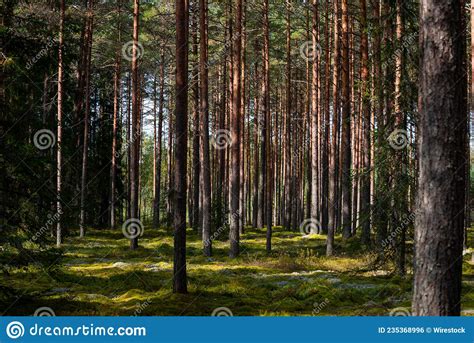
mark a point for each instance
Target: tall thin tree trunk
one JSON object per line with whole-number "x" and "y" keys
{"x": 181, "y": 131}
{"x": 113, "y": 169}
{"x": 400, "y": 186}
{"x": 346, "y": 126}
{"x": 366, "y": 116}
{"x": 288, "y": 196}
{"x": 85, "y": 139}
{"x": 156, "y": 166}
{"x": 267, "y": 123}
{"x": 127, "y": 137}
{"x": 334, "y": 161}
{"x": 59, "y": 210}
{"x": 204, "y": 112}
{"x": 136, "y": 130}
{"x": 257, "y": 220}
{"x": 325, "y": 147}
{"x": 157, "y": 198}
{"x": 243, "y": 145}
{"x": 234, "y": 234}
{"x": 195, "y": 209}
{"x": 315, "y": 120}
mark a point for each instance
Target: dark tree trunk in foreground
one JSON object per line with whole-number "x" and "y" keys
{"x": 136, "y": 132}
{"x": 334, "y": 162}
{"x": 85, "y": 137}
{"x": 346, "y": 126}
{"x": 326, "y": 127}
{"x": 366, "y": 144}
{"x": 195, "y": 207}
{"x": 113, "y": 167}
{"x": 315, "y": 124}
{"x": 234, "y": 176}
{"x": 440, "y": 215}
{"x": 267, "y": 122}
{"x": 204, "y": 117}
{"x": 181, "y": 147}
{"x": 60, "y": 124}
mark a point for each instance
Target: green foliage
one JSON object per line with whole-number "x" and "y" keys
{"x": 99, "y": 275}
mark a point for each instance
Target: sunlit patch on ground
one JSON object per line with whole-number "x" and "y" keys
{"x": 99, "y": 275}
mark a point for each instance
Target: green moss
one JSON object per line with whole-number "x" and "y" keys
{"x": 99, "y": 275}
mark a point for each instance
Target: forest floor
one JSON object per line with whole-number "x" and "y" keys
{"x": 99, "y": 275}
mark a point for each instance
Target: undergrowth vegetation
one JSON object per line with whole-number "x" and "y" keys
{"x": 99, "y": 275}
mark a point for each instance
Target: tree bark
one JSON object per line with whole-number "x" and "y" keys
{"x": 181, "y": 131}
{"x": 59, "y": 211}
{"x": 288, "y": 196}
{"x": 234, "y": 234}
{"x": 85, "y": 139}
{"x": 325, "y": 147}
{"x": 204, "y": 113}
{"x": 135, "y": 138}
{"x": 334, "y": 161}
{"x": 113, "y": 169}
{"x": 196, "y": 167}
{"x": 267, "y": 122}
{"x": 315, "y": 120}
{"x": 366, "y": 116}
{"x": 439, "y": 223}
{"x": 159, "y": 144}
{"x": 346, "y": 127}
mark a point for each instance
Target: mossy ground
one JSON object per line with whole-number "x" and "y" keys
{"x": 99, "y": 275}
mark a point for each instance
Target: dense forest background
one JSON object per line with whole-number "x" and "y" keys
{"x": 229, "y": 135}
